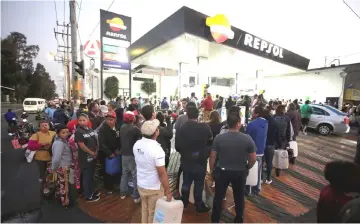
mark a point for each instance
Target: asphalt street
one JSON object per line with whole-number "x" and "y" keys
{"x": 19, "y": 177}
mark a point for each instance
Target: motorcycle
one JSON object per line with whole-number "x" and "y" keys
{"x": 22, "y": 131}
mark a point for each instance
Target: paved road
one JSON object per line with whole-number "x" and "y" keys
{"x": 6, "y": 106}
{"x": 17, "y": 176}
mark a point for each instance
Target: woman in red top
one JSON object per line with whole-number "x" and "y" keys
{"x": 73, "y": 123}
{"x": 344, "y": 186}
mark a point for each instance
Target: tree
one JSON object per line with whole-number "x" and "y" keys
{"x": 18, "y": 71}
{"x": 148, "y": 86}
{"x": 111, "y": 87}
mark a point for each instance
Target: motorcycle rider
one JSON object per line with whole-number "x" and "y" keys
{"x": 9, "y": 117}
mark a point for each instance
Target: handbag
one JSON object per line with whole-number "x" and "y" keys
{"x": 113, "y": 165}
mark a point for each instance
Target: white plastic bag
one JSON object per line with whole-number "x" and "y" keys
{"x": 252, "y": 178}
{"x": 281, "y": 159}
{"x": 294, "y": 146}
{"x": 29, "y": 155}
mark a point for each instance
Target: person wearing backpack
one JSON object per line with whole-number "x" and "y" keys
{"x": 284, "y": 128}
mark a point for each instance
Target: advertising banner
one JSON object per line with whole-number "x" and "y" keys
{"x": 115, "y": 34}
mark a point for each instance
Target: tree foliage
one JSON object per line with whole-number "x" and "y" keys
{"x": 149, "y": 87}
{"x": 17, "y": 70}
{"x": 111, "y": 87}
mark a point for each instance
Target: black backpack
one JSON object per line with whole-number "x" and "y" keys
{"x": 282, "y": 123}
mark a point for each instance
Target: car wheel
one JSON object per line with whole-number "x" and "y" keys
{"x": 324, "y": 129}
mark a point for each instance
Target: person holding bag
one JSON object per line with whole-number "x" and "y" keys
{"x": 85, "y": 138}
{"x": 41, "y": 143}
{"x": 109, "y": 142}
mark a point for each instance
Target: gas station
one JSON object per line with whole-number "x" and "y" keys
{"x": 190, "y": 50}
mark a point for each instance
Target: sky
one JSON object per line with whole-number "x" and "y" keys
{"x": 311, "y": 28}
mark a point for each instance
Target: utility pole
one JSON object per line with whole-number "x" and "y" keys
{"x": 73, "y": 23}
{"x": 65, "y": 58}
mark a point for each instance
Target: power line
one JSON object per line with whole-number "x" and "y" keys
{"x": 79, "y": 10}
{"x": 351, "y": 9}
{"x": 100, "y": 18}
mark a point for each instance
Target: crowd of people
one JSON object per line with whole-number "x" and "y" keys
{"x": 98, "y": 133}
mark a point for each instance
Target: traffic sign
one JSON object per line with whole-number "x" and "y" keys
{"x": 92, "y": 48}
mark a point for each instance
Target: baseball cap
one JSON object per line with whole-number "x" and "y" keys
{"x": 128, "y": 116}
{"x": 149, "y": 127}
{"x": 111, "y": 114}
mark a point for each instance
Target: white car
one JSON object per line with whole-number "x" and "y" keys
{"x": 327, "y": 119}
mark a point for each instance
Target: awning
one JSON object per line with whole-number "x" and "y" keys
{"x": 189, "y": 21}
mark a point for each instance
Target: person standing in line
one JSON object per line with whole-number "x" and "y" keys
{"x": 257, "y": 129}
{"x": 306, "y": 111}
{"x": 192, "y": 143}
{"x": 272, "y": 139}
{"x": 208, "y": 105}
{"x": 182, "y": 119}
{"x": 166, "y": 141}
{"x": 164, "y": 132}
{"x": 41, "y": 143}
{"x": 129, "y": 134}
{"x": 216, "y": 101}
{"x": 85, "y": 137}
{"x": 236, "y": 155}
{"x": 219, "y": 105}
{"x": 109, "y": 141}
{"x": 152, "y": 178}
{"x": 295, "y": 118}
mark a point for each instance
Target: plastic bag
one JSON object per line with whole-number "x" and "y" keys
{"x": 113, "y": 165}
{"x": 29, "y": 155}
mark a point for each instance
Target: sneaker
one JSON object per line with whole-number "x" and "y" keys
{"x": 96, "y": 193}
{"x": 136, "y": 201}
{"x": 93, "y": 199}
{"x": 123, "y": 197}
{"x": 213, "y": 184}
{"x": 202, "y": 209}
{"x": 108, "y": 192}
{"x": 268, "y": 181}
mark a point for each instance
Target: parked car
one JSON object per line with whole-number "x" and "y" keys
{"x": 327, "y": 119}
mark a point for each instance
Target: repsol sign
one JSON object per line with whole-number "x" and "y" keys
{"x": 263, "y": 46}
{"x": 116, "y": 35}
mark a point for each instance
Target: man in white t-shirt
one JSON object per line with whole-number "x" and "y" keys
{"x": 152, "y": 177}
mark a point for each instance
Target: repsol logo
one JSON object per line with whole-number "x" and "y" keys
{"x": 117, "y": 35}
{"x": 263, "y": 46}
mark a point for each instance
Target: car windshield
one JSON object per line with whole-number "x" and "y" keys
{"x": 30, "y": 103}
{"x": 335, "y": 110}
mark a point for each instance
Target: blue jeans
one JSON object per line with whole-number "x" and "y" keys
{"x": 269, "y": 155}
{"x": 256, "y": 189}
{"x": 88, "y": 181}
{"x": 188, "y": 178}
{"x": 128, "y": 171}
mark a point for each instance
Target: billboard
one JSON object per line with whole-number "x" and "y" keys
{"x": 115, "y": 34}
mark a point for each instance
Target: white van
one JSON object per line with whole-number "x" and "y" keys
{"x": 34, "y": 105}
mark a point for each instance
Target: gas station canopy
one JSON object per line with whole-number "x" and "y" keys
{"x": 188, "y": 35}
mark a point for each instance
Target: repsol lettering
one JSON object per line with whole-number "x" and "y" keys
{"x": 117, "y": 35}
{"x": 263, "y": 45}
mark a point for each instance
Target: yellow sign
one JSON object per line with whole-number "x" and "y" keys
{"x": 220, "y": 28}
{"x": 352, "y": 94}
